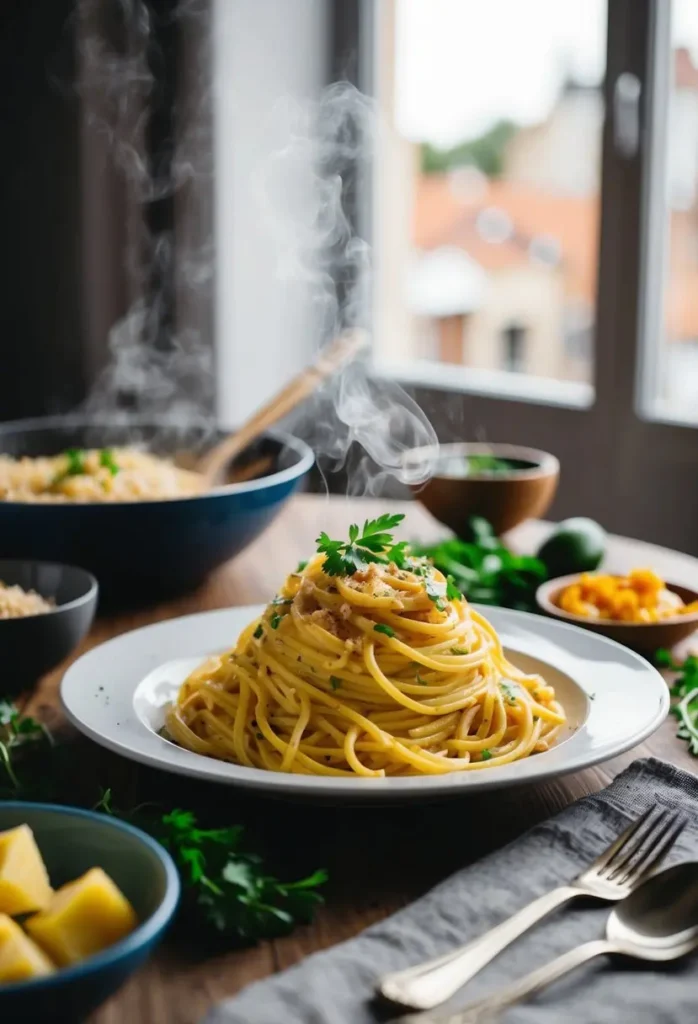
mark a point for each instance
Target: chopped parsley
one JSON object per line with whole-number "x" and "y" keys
{"x": 107, "y": 460}
{"x": 460, "y": 650}
{"x": 452, "y": 591}
{"x": 274, "y": 621}
{"x": 508, "y": 692}
{"x": 422, "y": 682}
{"x": 75, "y": 464}
{"x": 301, "y": 565}
{"x": 382, "y": 628}
{"x": 592, "y": 696}
{"x": 278, "y": 600}
{"x": 372, "y": 543}
{"x": 335, "y": 682}
{"x": 436, "y": 592}
{"x": 485, "y": 755}
{"x": 258, "y": 631}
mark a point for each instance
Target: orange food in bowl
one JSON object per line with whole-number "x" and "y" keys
{"x": 641, "y": 596}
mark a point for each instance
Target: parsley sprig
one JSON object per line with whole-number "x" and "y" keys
{"x": 684, "y": 690}
{"x": 372, "y": 543}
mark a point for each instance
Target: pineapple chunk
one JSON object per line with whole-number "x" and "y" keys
{"x": 83, "y": 917}
{"x": 24, "y": 883}
{"x": 20, "y": 958}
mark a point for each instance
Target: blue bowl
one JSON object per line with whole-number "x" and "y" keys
{"x": 71, "y": 842}
{"x": 146, "y": 549}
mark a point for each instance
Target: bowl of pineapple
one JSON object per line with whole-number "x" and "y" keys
{"x": 84, "y": 899}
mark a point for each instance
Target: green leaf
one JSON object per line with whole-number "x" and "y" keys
{"x": 259, "y": 631}
{"x": 275, "y": 621}
{"x": 107, "y": 460}
{"x": 382, "y": 628}
{"x": 335, "y": 682}
{"x": 485, "y": 755}
{"x": 460, "y": 650}
{"x": 301, "y": 565}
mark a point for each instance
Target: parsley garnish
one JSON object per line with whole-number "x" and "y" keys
{"x": 301, "y": 566}
{"x": 684, "y": 690}
{"x": 75, "y": 464}
{"x": 436, "y": 592}
{"x": 335, "y": 682}
{"x": 422, "y": 682}
{"x": 278, "y": 600}
{"x": 107, "y": 460}
{"x": 485, "y": 755}
{"x": 258, "y": 631}
{"x": 374, "y": 543}
{"x": 382, "y": 628}
{"x": 274, "y": 621}
{"x": 452, "y": 591}
{"x": 508, "y": 692}
{"x": 460, "y": 650}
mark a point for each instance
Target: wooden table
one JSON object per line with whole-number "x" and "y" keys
{"x": 358, "y": 846}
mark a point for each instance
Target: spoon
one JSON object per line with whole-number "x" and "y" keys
{"x": 330, "y": 359}
{"x": 658, "y": 921}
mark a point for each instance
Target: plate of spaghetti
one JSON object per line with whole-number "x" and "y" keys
{"x": 367, "y": 674}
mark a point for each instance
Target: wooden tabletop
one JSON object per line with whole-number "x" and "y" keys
{"x": 356, "y": 845}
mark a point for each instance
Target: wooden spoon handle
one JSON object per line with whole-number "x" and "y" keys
{"x": 329, "y": 360}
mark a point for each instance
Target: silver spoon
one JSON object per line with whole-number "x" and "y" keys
{"x": 658, "y": 921}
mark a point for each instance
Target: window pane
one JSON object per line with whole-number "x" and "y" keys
{"x": 488, "y": 188}
{"x": 671, "y": 364}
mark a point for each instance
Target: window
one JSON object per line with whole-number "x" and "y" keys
{"x": 499, "y": 137}
{"x": 670, "y": 386}
{"x": 536, "y": 235}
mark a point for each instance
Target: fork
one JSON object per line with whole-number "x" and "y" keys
{"x": 612, "y": 876}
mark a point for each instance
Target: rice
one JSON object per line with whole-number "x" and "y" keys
{"x": 15, "y": 602}
{"x": 95, "y": 475}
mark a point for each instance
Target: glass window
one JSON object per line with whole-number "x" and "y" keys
{"x": 671, "y": 359}
{"x": 488, "y": 191}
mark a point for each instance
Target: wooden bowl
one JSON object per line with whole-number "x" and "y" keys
{"x": 646, "y": 637}
{"x": 505, "y": 499}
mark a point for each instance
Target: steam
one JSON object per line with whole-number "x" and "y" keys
{"x": 307, "y": 193}
{"x": 308, "y": 197}
{"x": 155, "y": 370}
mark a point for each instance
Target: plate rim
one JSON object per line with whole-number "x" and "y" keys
{"x": 189, "y": 764}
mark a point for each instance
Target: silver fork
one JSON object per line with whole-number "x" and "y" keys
{"x": 613, "y": 875}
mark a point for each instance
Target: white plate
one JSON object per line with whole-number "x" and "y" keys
{"x": 613, "y": 698}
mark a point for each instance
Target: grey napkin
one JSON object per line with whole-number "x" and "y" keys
{"x": 336, "y": 987}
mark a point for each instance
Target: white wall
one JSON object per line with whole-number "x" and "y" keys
{"x": 265, "y": 51}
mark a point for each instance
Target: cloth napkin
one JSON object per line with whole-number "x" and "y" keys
{"x": 336, "y": 987}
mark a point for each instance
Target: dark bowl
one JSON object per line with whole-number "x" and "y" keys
{"x": 34, "y": 644}
{"x": 645, "y": 637}
{"x": 71, "y": 842}
{"x": 146, "y": 549}
{"x": 505, "y": 499}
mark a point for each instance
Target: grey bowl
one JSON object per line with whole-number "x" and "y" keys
{"x": 34, "y": 644}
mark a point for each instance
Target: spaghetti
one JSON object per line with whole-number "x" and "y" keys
{"x": 375, "y": 673}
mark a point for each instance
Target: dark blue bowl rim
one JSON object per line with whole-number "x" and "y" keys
{"x": 283, "y": 476}
{"x": 144, "y": 934}
{"x": 89, "y": 595}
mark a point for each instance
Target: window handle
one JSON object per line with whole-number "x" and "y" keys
{"x": 626, "y": 115}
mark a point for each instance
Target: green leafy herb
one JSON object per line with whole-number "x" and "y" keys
{"x": 460, "y": 650}
{"x": 107, "y": 460}
{"x": 489, "y": 464}
{"x": 259, "y": 631}
{"x": 452, "y": 591}
{"x": 382, "y": 628}
{"x": 74, "y": 464}
{"x": 301, "y": 566}
{"x": 275, "y": 620}
{"x": 508, "y": 691}
{"x": 17, "y": 731}
{"x": 485, "y": 755}
{"x": 436, "y": 592}
{"x": 420, "y": 681}
{"x": 684, "y": 691}
{"x": 335, "y": 682}
{"x": 484, "y": 570}
{"x": 373, "y": 543}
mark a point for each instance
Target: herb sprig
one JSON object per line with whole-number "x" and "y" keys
{"x": 372, "y": 543}
{"x": 485, "y": 570}
{"x": 684, "y": 691}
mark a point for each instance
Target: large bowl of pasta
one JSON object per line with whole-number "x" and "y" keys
{"x": 125, "y": 502}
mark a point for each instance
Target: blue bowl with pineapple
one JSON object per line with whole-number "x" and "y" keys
{"x": 84, "y": 899}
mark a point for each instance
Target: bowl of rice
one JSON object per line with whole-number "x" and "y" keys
{"x": 45, "y": 611}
